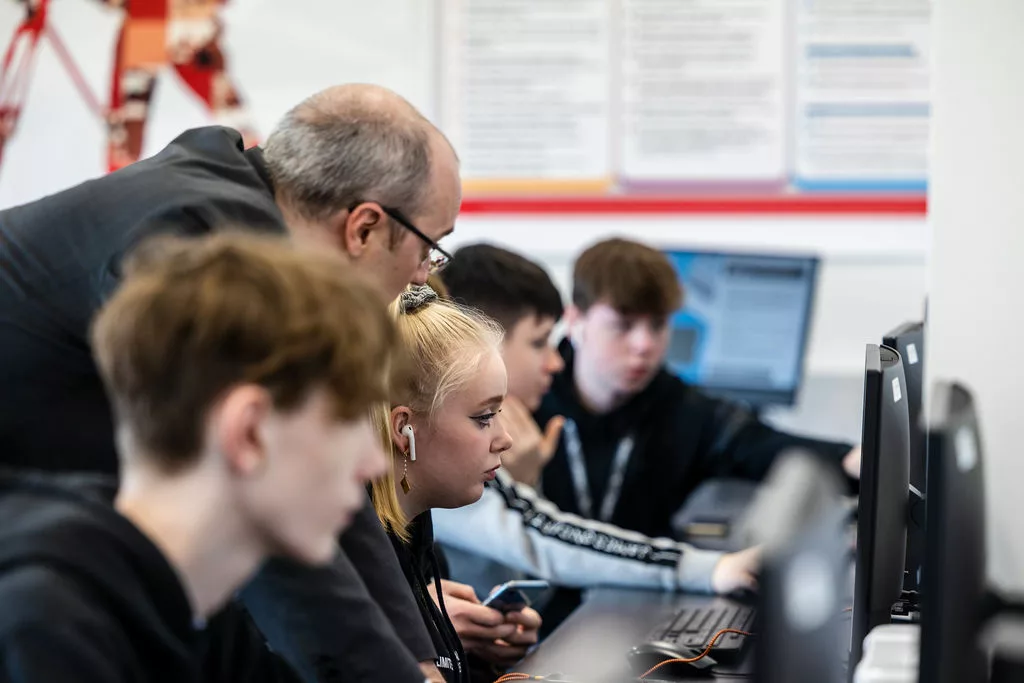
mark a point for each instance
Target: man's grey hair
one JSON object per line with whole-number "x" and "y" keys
{"x": 329, "y": 153}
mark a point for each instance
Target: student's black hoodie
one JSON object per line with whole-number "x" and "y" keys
{"x": 682, "y": 438}
{"x": 87, "y": 597}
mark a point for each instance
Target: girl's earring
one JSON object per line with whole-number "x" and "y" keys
{"x": 406, "y": 487}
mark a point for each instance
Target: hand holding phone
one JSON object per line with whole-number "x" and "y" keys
{"x": 513, "y": 596}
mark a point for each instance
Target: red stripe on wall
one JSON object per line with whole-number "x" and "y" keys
{"x": 915, "y": 205}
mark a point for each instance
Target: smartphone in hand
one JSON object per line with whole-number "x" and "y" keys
{"x": 515, "y": 595}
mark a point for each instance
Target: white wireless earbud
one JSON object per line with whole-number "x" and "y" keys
{"x": 409, "y": 434}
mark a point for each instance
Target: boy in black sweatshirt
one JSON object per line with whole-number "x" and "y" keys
{"x": 638, "y": 440}
{"x": 241, "y": 371}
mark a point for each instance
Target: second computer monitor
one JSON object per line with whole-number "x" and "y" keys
{"x": 882, "y": 505}
{"x": 908, "y": 340}
{"x": 743, "y": 329}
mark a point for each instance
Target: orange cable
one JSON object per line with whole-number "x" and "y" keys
{"x": 702, "y": 655}
{"x": 517, "y": 677}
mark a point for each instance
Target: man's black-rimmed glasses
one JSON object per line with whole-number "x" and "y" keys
{"x": 438, "y": 258}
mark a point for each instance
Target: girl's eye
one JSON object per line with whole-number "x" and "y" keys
{"x": 484, "y": 420}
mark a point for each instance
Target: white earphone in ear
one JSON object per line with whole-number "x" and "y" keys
{"x": 409, "y": 434}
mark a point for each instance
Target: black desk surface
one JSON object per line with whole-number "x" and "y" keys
{"x": 591, "y": 645}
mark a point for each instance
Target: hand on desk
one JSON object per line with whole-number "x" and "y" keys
{"x": 484, "y": 631}
{"x": 531, "y": 450}
{"x": 737, "y": 571}
{"x": 851, "y": 463}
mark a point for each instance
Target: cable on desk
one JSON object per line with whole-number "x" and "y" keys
{"x": 507, "y": 678}
{"x": 530, "y": 677}
{"x": 702, "y": 655}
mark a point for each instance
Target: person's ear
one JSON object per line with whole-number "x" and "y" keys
{"x": 355, "y": 228}
{"x": 399, "y": 419}
{"x": 572, "y": 319}
{"x": 237, "y": 428}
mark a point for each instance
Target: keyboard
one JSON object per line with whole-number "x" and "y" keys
{"x": 693, "y": 627}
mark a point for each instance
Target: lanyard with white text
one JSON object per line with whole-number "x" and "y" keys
{"x": 578, "y": 470}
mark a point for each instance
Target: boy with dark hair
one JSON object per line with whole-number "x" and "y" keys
{"x": 638, "y": 440}
{"x": 509, "y": 287}
{"x": 241, "y": 372}
{"x": 513, "y": 528}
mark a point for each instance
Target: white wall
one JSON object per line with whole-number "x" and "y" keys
{"x": 976, "y": 331}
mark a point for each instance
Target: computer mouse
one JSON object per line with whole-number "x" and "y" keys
{"x": 644, "y": 657}
{"x": 745, "y": 596}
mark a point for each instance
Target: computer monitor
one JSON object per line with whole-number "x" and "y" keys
{"x": 800, "y": 523}
{"x": 802, "y": 589}
{"x": 954, "y": 574}
{"x": 908, "y": 340}
{"x": 882, "y": 504}
{"x": 743, "y": 328}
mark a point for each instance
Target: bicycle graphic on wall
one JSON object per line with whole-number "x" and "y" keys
{"x": 184, "y": 35}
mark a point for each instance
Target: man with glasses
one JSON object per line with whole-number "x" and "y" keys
{"x": 353, "y": 168}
